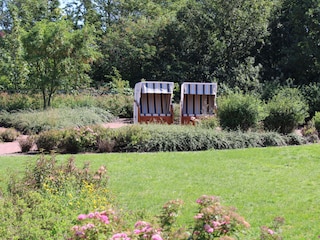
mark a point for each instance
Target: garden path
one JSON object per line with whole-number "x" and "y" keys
{"x": 11, "y": 148}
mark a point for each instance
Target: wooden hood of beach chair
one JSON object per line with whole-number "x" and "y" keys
{"x": 153, "y": 102}
{"x": 198, "y": 100}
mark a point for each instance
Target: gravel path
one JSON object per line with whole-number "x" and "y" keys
{"x": 14, "y": 147}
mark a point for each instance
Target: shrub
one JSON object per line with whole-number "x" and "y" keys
{"x": 316, "y": 121}
{"x": 238, "y": 111}
{"x": 9, "y": 135}
{"x": 212, "y": 221}
{"x": 286, "y": 110}
{"x": 26, "y": 143}
{"x": 49, "y": 140}
{"x": 209, "y": 122}
{"x": 41, "y": 204}
{"x": 129, "y": 138}
{"x": 295, "y": 139}
{"x": 33, "y": 122}
{"x": 81, "y": 139}
{"x": 312, "y": 95}
{"x": 18, "y": 101}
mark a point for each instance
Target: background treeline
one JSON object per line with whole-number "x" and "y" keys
{"x": 253, "y": 46}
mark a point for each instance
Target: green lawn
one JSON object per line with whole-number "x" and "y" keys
{"x": 262, "y": 183}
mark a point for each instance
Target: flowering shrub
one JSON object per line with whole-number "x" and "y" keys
{"x": 214, "y": 220}
{"x": 211, "y": 222}
{"x": 98, "y": 223}
{"x": 274, "y": 232}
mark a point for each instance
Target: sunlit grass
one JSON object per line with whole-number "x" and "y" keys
{"x": 262, "y": 183}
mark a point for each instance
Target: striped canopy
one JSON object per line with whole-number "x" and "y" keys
{"x": 157, "y": 87}
{"x": 199, "y": 88}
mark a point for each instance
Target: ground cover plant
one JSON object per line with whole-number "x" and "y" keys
{"x": 262, "y": 183}
{"x": 117, "y": 104}
{"x": 35, "y": 121}
{"x": 155, "y": 137}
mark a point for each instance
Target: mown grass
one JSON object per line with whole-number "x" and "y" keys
{"x": 262, "y": 183}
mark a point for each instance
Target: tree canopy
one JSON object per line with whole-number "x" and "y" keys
{"x": 244, "y": 45}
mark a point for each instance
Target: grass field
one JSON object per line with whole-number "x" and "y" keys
{"x": 262, "y": 183}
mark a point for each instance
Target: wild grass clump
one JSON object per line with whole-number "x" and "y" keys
{"x": 34, "y": 122}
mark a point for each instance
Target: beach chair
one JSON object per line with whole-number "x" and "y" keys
{"x": 198, "y": 100}
{"x": 153, "y": 102}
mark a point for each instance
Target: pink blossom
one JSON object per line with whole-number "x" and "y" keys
{"x": 208, "y": 228}
{"x": 199, "y": 216}
{"x": 271, "y": 232}
{"x": 90, "y": 225}
{"x": 156, "y": 237}
{"x": 82, "y": 216}
{"x": 137, "y": 231}
{"x": 120, "y": 236}
{"x": 91, "y": 215}
{"x": 104, "y": 219}
{"x": 141, "y": 223}
{"x": 216, "y": 224}
{"x": 75, "y": 228}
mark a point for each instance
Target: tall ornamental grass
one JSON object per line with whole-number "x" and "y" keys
{"x": 36, "y": 121}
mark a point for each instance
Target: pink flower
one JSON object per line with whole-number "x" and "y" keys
{"x": 120, "y": 236}
{"x": 82, "y": 216}
{"x": 137, "y": 231}
{"x": 199, "y": 216}
{"x": 90, "y": 215}
{"x": 141, "y": 224}
{"x": 104, "y": 219}
{"x": 156, "y": 237}
{"x": 271, "y": 232}
{"x": 90, "y": 225}
{"x": 208, "y": 228}
{"x": 216, "y": 224}
{"x": 75, "y": 228}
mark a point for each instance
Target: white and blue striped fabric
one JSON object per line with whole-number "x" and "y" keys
{"x": 198, "y": 99}
{"x": 153, "y": 99}
{"x": 199, "y": 88}
{"x": 157, "y": 87}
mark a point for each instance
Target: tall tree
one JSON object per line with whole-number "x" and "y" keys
{"x": 212, "y": 39}
{"x": 58, "y": 57}
{"x": 293, "y": 49}
{"x": 13, "y": 67}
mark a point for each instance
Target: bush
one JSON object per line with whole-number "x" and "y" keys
{"x": 286, "y": 110}
{"x": 9, "y": 135}
{"x": 49, "y": 140}
{"x": 41, "y": 204}
{"x": 312, "y": 95}
{"x": 316, "y": 121}
{"x": 158, "y": 137}
{"x": 209, "y": 122}
{"x": 26, "y": 143}
{"x": 18, "y": 101}
{"x": 33, "y": 122}
{"x": 238, "y": 111}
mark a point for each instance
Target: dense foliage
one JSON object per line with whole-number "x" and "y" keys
{"x": 239, "y": 111}
{"x": 245, "y": 45}
{"x": 153, "y": 138}
{"x": 287, "y": 109}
